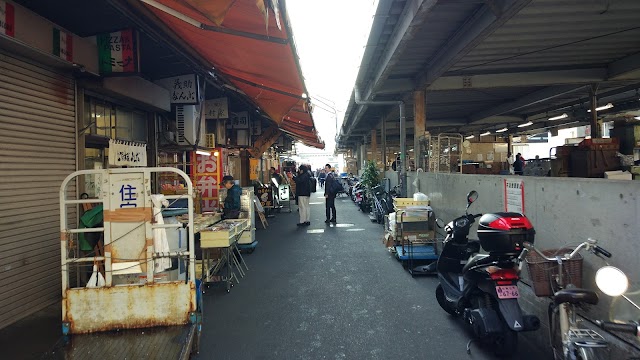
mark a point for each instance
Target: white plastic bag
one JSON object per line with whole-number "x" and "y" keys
{"x": 420, "y": 197}
{"x": 96, "y": 280}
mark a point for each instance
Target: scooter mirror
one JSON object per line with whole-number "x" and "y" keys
{"x": 471, "y": 197}
{"x": 439, "y": 223}
{"x": 612, "y": 281}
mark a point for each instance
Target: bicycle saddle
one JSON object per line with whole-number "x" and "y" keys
{"x": 576, "y": 296}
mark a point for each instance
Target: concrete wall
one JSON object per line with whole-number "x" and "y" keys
{"x": 564, "y": 211}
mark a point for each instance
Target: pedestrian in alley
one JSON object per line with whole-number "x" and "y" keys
{"x": 518, "y": 164}
{"x": 231, "y": 205}
{"x": 303, "y": 192}
{"x": 330, "y": 195}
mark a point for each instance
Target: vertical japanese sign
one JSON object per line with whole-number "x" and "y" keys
{"x": 217, "y": 108}
{"x": 7, "y": 19}
{"x": 184, "y": 89}
{"x": 206, "y": 176}
{"x": 62, "y": 44}
{"x": 514, "y": 195}
{"x": 118, "y": 52}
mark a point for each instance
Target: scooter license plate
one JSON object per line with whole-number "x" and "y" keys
{"x": 507, "y": 292}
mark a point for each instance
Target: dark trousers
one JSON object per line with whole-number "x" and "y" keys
{"x": 330, "y": 207}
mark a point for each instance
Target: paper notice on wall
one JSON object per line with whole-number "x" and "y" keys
{"x": 514, "y": 195}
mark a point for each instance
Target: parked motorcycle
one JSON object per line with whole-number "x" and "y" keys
{"x": 482, "y": 288}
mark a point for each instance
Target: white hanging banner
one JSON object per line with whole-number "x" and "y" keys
{"x": 127, "y": 153}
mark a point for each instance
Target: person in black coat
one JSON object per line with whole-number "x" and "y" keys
{"x": 303, "y": 192}
{"x": 518, "y": 164}
{"x": 330, "y": 204}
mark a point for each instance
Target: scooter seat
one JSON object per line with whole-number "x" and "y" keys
{"x": 575, "y": 296}
{"x": 474, "y": 261}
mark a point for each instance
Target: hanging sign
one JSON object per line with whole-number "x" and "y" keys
{"x": 118, "y": 52}
{"x": 514, "y": 195}
{"x": 239, "y": 121}
{"x": 62, "y": 44}
{"x": 126, "y": 153}
{"x": 184, "y": 88}
{"x": 217, "y": 108}
{"x": 206, "y": 177}
{"x": 7, "y": 19}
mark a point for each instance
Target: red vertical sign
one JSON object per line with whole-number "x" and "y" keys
{"x": 129, "y": 60}
{"x": 7, "y": 19}
{"x": 206, "y": 175}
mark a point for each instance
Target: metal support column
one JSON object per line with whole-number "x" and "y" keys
{"x": 374, "y": 146}
{"x": 595, "y": 128}
{"x": 383, "y": 136}
{"x": 402, "y": 172}
{"x": 419, "y": 121}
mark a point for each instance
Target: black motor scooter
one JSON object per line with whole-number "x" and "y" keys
{"x": 483, "y": 288}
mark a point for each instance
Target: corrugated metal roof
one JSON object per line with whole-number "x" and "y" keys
{"x": 539, "y": 36}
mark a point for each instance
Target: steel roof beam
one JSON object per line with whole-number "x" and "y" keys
{"x": 627, "y": 68}
{"x": 519, "y": 79}
{"x": 481, "y": 24}
{"x": 409, "y": 22}
{"x": 536, "y": 97}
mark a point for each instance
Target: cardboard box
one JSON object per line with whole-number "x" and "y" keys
{"x": 618, "y": 175}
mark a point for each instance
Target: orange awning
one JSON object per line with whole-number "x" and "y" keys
{"x": 250, "y": 50}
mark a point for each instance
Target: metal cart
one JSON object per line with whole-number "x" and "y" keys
{"x": 145, "y": 297}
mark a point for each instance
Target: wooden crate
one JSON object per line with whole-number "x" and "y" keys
{"x": 218, "y": 236}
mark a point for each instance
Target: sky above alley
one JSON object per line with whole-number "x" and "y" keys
{"x": 330, "y": 36}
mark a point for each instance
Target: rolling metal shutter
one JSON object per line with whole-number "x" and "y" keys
{"x": 37, "y": 151}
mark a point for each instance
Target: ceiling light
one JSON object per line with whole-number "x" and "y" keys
{"x": 528, "y": 123}
{"x": 470, "y": 137}
{"x": 559, "y": 117}
{"x": 486, "y": 133}
{"x": 502, "y": 130}
{"x": 604, "y": 107}
{"x": 202, "y": 152}
{"x": 637, "y": 117}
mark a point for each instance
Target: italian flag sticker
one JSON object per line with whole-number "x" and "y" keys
{"x": 117, "y": 52}
{"x": 7, "y": 19}
{"x": 63, "y": 44}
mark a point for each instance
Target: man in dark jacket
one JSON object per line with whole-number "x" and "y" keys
{"x": 518, "y": 164}
{"x": 330, "y": 204}
{"x": 232, "y": 201}
{"x": 303, "y": 192}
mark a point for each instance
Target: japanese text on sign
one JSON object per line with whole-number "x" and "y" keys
{"x": 239, "y": 121}
{"x": 206, "y": 175}
{"x": 184, "y": 88}
{"x": 266, "y": 197}
{"x": 216, "y": 108}
{"x": 128, "y": 196}
{"x": 118, "y": 52}
{"x": 124, "y": 153}
{"x": 514, "y": 195}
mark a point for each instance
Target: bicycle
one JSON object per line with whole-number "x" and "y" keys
{"x": 576, "y": 342}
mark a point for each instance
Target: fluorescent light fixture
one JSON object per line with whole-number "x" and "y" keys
{"x": 486, "y": 133}
{"x": 559, "y": 117}
{"x": 528, "y": 123}
{"x": 502, "y": 130}
{"x": 604, "y": 107}
{"x": 637, "y": 117}
{"x": 202, "y": 152}
{"x": 470, "y": 137}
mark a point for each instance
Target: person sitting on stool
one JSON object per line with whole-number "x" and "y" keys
{"x": 231, "y": 206}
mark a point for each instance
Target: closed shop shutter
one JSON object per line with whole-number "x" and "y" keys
{"x": 37, "y": 151}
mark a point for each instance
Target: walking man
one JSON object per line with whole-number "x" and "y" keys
{"x": 330, "y": 195}
{"x": 303, "y": 192}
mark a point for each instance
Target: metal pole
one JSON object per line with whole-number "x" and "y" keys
{"x": 403, "y": 149}
{"x": 595, "y": 129}
{"x": 383, "y": 135}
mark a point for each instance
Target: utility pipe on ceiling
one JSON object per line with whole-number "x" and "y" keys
{"x": 402, "y": 172}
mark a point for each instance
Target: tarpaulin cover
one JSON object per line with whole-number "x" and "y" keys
{"x": 255, "y": 55}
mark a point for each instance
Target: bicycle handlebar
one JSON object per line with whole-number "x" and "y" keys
{"x": 629, "y": 328}
{"x": 590, "y": 245}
